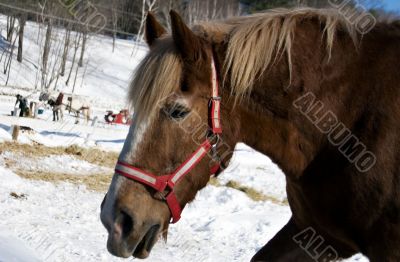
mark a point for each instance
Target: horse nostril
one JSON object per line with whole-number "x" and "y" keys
{"x": 126, "y": 224}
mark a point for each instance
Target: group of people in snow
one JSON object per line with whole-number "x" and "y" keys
{"x": 56, "y": 106}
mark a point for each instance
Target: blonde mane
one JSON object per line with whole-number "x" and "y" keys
{"x": 255, "y": 43}
{"x": 156, "y": 77}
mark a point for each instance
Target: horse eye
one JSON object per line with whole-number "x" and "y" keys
{"x": 177, "y": 112}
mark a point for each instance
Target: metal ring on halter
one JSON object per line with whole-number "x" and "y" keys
{"x": 211, "y": 137}
{"x": 214, "y": 146}
{"x": 214, "y": 153}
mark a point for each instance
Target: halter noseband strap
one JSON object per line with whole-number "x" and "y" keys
{"x": 166, "y": 183}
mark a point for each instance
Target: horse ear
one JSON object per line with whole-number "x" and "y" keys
{"x": 154, "y": 29}
{"x": 187, "y": 43}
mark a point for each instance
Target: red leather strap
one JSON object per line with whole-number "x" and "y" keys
{"x": 161, "y": 183}
{"x": 215, "y": 168}
{"x": 191, "y": 162}
{"x": 174, "y": 207}
{"x": 215, "y": 108}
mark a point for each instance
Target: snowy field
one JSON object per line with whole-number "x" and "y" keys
{"x": 59, "y": 221}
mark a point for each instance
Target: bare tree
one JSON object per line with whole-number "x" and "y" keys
{"x": 147, "y": 6}
{"x": 67, "y": 41}
{"x": 76, "y": 47}
{"x": 10, "y": 27}
{"x": 83, "y": 48}
{"x": 54, "y": 63}
{"x": 165, "y": 7}
{"x": 7, "y": 68}
{"x": 204, "y": 10}
{"x": 22, "y": 22}
{"x": 114, "y": 16}
{"x": 46, "y": 51}
{"x": 75, "y": 79}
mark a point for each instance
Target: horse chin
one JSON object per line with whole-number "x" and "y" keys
{"x": 145, "y": 246}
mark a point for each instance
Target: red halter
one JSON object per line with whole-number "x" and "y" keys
{"x": 168, "y": 182}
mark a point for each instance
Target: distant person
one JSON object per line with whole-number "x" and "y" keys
{"x": 59, "y": 99}
{"x": 56, "y": 106}
{"x": 23, "y": 105}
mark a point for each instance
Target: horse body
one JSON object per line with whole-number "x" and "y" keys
{"x": 353, "y": 211}
{"x": 78, "y": 104}
{"x": 312, "y": 68}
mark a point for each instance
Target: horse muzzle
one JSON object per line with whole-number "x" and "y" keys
{"x": 128, "y": 238}
{"x": 128, "y": 234}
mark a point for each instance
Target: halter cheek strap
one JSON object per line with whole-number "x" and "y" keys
{"x": 165, "y": 184}
{"x": 215, "y": 108}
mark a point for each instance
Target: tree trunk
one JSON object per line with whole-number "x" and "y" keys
{"x": 7, "y": 68}
{"x": 66, "y": 50}
{"x": 46, "y": 51}
{"x": 77, "y": 41}
{"x": 114, "y": 37}
{"x": 83, "y": 49}
{"x": 22, "y": 23}
{"x": 114, "y": 23}
{"x": 10, "y": 27}
{"x": 75, "y": 79}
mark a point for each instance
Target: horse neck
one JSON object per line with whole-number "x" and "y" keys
{"x": 269, "y": 131}
{"x": 276, "y": 137}
{"x": 267, "y": 120}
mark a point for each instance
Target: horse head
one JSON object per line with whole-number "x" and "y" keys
{"x": 44, "y": 96}
{"x": 174, "y": 143}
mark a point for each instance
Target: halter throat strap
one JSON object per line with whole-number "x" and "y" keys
{"x": 165, "y": 184}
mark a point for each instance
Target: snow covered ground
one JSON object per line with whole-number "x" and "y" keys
{"x": 44, "y": 221}
{"x": 60, "y": 222}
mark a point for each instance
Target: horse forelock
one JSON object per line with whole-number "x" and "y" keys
{"x": 157, "y": 77}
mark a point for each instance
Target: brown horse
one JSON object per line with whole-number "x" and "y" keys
{"x": 301, "y": 86}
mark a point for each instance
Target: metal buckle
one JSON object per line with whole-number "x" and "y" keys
{"x": 162, "y": 195}
{"x": 214, "y": 141}
{"x": 214, "y": 146}
{"x": 212, "y": 99}
{"x": 212, "y": 137}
